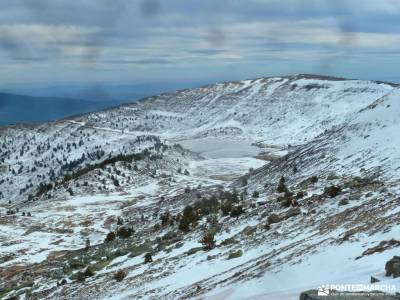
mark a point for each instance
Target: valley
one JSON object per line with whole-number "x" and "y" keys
{"x": 255, "y": 189}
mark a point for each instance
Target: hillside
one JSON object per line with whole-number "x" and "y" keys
{"x": 296, "y": 180}
{"x": 271, "y": 110}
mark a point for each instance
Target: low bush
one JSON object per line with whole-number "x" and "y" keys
{"x": 206, "y": 206}
{"x": 119, "y": 275}
{"x": 273, "y": 218}
{"x": 124, "y": 232}
{"x": 236, "y": 211}
{"x": 110, "y": 237}
{"x": 80, "y": 276}
{"x": 332, "y": 191}
{"x": 88, "y": 272}
{"x": 165, "y": 219}
{"x": 235, "y": 254}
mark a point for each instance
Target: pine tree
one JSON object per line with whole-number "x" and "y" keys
{"x": 282, "y": 188}
{"x": 226, "y": 207}
{"x": 87, "y": 244}
{"x": 184, "y": 225}
{"x": 148, "y": 258}
{"x": 208, "y": 241}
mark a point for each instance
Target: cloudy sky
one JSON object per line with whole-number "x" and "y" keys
{"x": 190, "y": 41}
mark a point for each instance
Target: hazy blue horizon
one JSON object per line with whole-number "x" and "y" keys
{"x": 122, "y": 90}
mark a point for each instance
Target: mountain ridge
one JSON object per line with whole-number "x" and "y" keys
{"x": 110, "y": 106}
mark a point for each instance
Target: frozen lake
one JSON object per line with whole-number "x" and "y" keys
{"x": 218, "y": 148}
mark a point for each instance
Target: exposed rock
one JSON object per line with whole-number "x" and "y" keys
{"x": 228, "y": 241}
{"x": 194, "y": 250}
{"x": 374, "y": 280}
{"x": 382, "y": 246}
{"x": 332, "y": 176}
{"x": 235, "y": 254}
{"x": 392, "y": 267}
{"x": 249, "y": 230}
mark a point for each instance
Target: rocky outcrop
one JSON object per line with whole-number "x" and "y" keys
{"x": 392, "y": 267}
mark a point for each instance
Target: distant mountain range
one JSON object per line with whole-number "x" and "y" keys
{"x": 27, "y": 109}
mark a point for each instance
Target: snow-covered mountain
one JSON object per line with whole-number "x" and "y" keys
{"x": 275, "y": 110}
{"x": 208, "y": 160}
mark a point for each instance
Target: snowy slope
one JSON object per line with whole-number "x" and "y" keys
{"x": 235, "y": 136}
{"x": 367, "y": 141}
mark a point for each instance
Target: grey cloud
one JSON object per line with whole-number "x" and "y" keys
{"x": 208, "y": 51}
{"x": 149, "y": 61}
{"x": 192, "y": 33}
